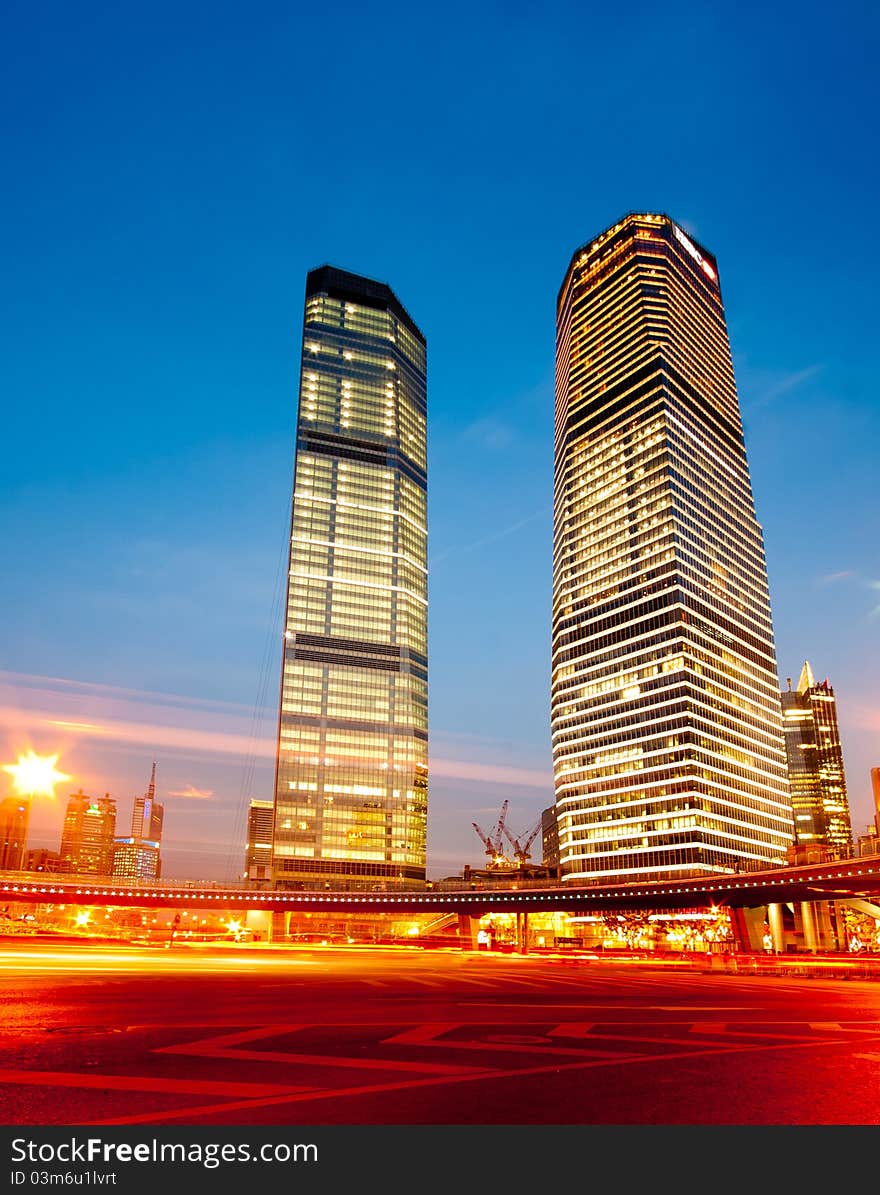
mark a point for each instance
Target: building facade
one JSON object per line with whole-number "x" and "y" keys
{"x": 668, "y": 749}
{"x": 148, "y": 814}
{"x": 42, "y": 859}
{"x": 549, "y": 837}
{"x": 136, "y": 859}
{"x": 87, "y": 838}
{"x": 815, "y": 765}
{"x": 14, "y": 818}
{"x": 138, "y": 856}
{"x": 258, "y": 850}
{"x": 351, "y": 780}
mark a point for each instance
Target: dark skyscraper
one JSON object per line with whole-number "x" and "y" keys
{"x": 352, "y": 755}
{"x": 815, "y": 765}
{"x": 14, "y": 817}
{"x": 668, "y": 749}
{"x": 258, "y": 852}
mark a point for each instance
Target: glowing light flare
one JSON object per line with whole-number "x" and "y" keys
{"x": 35, "y": 775}
{"x": 82, "y": 918}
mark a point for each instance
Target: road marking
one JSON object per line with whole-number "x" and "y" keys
{"x": 224, "y": 1047}
{"x": 143, "y": 1083}
{"x": 572, "y": 1029}
{"x": 713, "y": 1027}
{"x": 153, "y": 1117}
{"x": 222, "y": 1042}
{"x": 426, "y": 1035}
{"x": 509, "y": 981}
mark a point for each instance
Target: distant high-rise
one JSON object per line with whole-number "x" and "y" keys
{"x": 148, "y": 814}
{"x": 137, "y": 856}
{"x": 258, "y": 852}
{"x": 14, "y": 817}
{"x": 815, "y": 765}
{"x": 668, "y": 749}
{"x": 136, "y": 859}
{"x": 87, "y": 835}
{"x": 352, "y": 755}
{"x": 549, "y": 837}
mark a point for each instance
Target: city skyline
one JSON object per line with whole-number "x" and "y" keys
{"x": 152, "y": 320}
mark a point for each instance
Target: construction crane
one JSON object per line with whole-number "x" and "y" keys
{"x": 493, "y": 842}
{"x": 522, "y": 851}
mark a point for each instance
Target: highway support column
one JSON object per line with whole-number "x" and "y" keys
{"x": 280, "y": 925}
{"x": 522, "y": 932}
{"x": 260, "y": 921}
{"x": 468, "y": 928}
{"x": 748, "y": 926}
{"x": 777, "y": 928}
{"x": 805, "y": 913}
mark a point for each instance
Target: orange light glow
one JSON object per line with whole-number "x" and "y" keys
{"x": 35, "y": 775}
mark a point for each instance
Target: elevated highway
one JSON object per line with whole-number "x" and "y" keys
{"x": 854, "y": 879}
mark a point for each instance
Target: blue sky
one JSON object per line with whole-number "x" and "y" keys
{"x": 170, "y": 175}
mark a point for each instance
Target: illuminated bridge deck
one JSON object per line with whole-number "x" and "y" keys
{"x": 827, "y": 881}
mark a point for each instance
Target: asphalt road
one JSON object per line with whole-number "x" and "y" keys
{"x": 367, "y": 1036}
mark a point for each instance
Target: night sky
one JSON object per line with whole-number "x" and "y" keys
{"x": 171, "y": 173}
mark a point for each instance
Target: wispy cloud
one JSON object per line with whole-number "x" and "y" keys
{"x": 490, "y": 539}
{"x": 849, "y": 574}
{"x": 39, "y": 708}
{"x": 875, "y": 611}
{"x": 460, "y": 769}
{"x": 764, "y": 388}
{"x": 192, "y": 793}
{"x": 845, "y": 574}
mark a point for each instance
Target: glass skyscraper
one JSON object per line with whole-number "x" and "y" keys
{"x": 668, "y": 750}
{"x": 351, "y": 780}
{"x": 815, "y": 765}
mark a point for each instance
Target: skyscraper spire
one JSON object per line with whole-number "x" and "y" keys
{"x": 151, "y": 789}
{"x": 807, "y": 681}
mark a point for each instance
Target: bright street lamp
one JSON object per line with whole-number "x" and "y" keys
{"x": 33, "y": 776}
